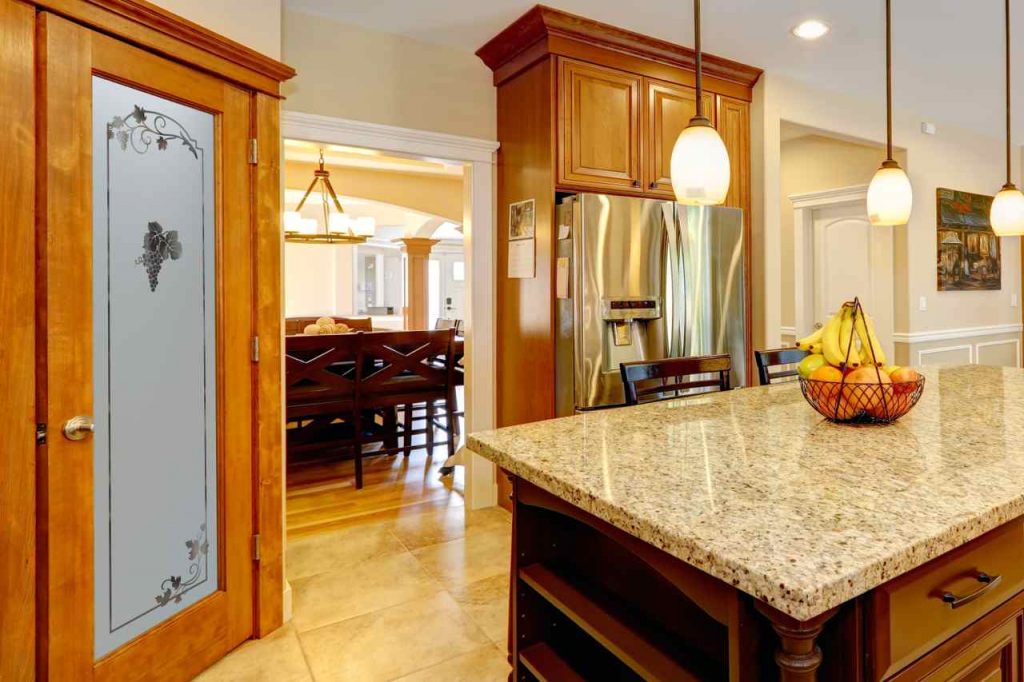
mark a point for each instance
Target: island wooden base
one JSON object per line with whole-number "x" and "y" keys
{"x": 591, "y": 602}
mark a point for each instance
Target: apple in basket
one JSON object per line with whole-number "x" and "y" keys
{"x": 869, "y": 389}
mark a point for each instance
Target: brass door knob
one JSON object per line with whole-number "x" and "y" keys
{"x": 78, "y": 427}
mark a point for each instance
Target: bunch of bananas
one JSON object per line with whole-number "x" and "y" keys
{"x": 847, "y": 340}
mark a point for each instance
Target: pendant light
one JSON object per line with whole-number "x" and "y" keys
{"x": 890, "y": 196}
{"x": 1007, "y": 215}
{"x": 700, "y": 163}
{"x": 338, "y": 228}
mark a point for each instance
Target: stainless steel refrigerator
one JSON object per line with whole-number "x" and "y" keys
{"x": 642, "y": 279}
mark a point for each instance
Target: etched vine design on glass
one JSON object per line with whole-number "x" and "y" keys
{"x": 158, "y": 246}
{"x": 175, "y": 586}
{"x": 140, "y": 130}
{"x": 142, "y": 127}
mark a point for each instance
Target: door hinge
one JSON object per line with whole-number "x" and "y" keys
{"x": 254, "y": 152}
{"x": 255, "y": 349}
{"x": 40, "y": 434}
{"x": 256, "y": 547}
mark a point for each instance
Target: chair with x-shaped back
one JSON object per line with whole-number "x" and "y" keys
{"x": 400, "y": 370}
{"x": 321, "y": 392}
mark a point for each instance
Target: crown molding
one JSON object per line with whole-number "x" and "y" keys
{"x": 830, "y": 197}
{"x": 156, "y": 29}
{"x": 541, "y": 23}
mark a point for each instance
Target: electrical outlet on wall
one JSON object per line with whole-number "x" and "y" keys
{"x": 922, "y": 303}
{"x": 1013, "y": 300}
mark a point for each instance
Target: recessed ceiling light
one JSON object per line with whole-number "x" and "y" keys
{"x": 812, "y": 29}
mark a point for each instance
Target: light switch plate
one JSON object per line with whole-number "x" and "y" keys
{"x": 922, "y": 304}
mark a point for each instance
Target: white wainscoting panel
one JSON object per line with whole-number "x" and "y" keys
{"x": 946, "y": 355}
{"x": 1005, "y": 353}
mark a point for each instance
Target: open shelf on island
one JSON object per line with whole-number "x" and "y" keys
{"x": 639, "y": 645}
{"x": 547, "y": 666}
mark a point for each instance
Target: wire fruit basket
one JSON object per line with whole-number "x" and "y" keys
{"x": 862, "y": 403}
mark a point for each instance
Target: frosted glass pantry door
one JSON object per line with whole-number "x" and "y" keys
{"x": 154, "y": 361}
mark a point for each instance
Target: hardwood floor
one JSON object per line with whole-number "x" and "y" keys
{"x": 321, "y": 495}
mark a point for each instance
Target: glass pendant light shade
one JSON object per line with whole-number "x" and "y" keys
{"x": 890, "y": 196}
{"x": 700, "y": 166}
{"x": 1007, "y": 215}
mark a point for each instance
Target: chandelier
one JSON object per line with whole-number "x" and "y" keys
{"x": 336, "y": 227}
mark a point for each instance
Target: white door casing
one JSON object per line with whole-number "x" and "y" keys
{"x": 477, "y": 158}
{"x": 838, "y": 254}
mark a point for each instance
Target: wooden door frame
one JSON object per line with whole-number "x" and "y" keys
{"x": 71, "y": 56}
{"x": 157, "y": 30}
{"x": 17, "y": 343}
{"x": 479, "y": 225}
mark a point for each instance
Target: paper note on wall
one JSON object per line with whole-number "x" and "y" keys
{"x": 521, "y": 263}
{"x": 562, "y": 277}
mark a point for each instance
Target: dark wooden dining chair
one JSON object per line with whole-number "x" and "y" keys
{"x": 769, "y": 363}
{"x": 400, "y": 370}
{"x": 649, "y": 381}
{"x": 320, "y": 393}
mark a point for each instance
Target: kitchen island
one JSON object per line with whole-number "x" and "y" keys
{"x": 739, "y": 536}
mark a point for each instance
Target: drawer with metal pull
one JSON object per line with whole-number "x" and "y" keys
{"x": 916, "y": 612}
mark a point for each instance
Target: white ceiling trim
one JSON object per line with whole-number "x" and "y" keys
{"x": 394, "y": 139}
{"x": 830, "y": 197}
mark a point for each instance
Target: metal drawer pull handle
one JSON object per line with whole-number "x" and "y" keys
{"x": 989, "y": 582}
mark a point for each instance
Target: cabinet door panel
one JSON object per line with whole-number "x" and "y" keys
{"x": 733, "y": 121}
{"x": 669, "y": 109}
{"x": 992, "y": 657}
{"x": 599, "y": 127}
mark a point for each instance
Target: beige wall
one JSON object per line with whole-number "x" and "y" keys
{"x": 954, "y": 158}
{"x": 811, "y": 164}
{"x": 439, "y": 195}
{"x": 253, "y": 23}
{"x": 318, "y": 279}
{"x": 350, "y": 72}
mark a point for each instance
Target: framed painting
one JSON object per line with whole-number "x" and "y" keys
{"x": 968, "y": 249}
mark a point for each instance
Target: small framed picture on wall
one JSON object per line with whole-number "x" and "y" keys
{"x": 521, "y": 220}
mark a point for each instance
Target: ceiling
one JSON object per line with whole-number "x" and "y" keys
{"x": 948, "y": 54}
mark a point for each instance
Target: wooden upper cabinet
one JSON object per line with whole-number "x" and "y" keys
{"x": 733, "y": 122}
{"x": 599, "y": 127}
{"x": 669, "y": 108}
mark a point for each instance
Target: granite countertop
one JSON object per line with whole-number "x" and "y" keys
{"x": 755, "y": 488}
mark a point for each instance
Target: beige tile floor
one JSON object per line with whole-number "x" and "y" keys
{"x": 419, "y": 597}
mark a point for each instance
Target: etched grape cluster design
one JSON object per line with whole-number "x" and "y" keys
{"x": 158, "y": 246}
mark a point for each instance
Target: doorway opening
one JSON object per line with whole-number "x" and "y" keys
{"x": 350, "y": 553}
{"x": 830, "y": 251}
{"x": 353, "y": 278}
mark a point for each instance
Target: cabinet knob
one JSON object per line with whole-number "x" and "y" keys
{"x": 653, "y": 185}
{"x": 636, "y": 183}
